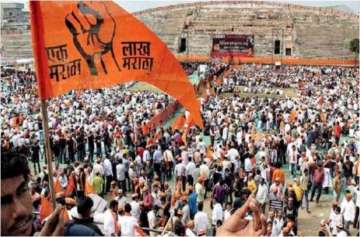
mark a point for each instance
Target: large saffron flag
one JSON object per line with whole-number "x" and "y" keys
{"x": 96, "y": 44}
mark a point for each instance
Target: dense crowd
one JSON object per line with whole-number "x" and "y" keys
{"x": 79, "y": 122}
{"x": 174, "y": 181}
{"x": 304, "y": 131}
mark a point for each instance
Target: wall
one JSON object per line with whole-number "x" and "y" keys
{"x": 308, "y": 31}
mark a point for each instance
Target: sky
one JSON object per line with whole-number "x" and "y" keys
{"x": 138, "y": 5}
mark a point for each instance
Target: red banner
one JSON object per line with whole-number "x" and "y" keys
{"x": 233, "y": 45}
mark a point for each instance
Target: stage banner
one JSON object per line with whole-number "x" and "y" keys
{"x": 233, "y": 45}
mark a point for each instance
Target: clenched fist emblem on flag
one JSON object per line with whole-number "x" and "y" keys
{"x": 93, "y": 34}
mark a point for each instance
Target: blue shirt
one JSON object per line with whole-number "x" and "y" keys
{"x": 157, "y": 157}
{"x": 193, "y": 203}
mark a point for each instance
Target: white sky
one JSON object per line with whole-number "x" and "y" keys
{"x": 138, "y": 5}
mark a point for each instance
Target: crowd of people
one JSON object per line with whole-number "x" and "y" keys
{"x": 178, "y": 181}
{"x": 304, "y": 131}
{"x": 79, "y": 122}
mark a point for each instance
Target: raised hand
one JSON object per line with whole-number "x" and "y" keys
{"x": 236, "y": 225}
{"x": 93, "y": 29}
{"x": 54, "y": 226}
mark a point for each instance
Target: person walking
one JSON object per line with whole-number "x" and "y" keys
{"x": 318, "y": 178}
{"x": 35, "y": 156}
{"x": 305, "y": 184}
{"x": 120, "y": 175}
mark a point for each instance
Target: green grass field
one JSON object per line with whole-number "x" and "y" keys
{"x": 143, "y": 86}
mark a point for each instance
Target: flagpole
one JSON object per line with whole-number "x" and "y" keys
{"x": 37, "y": 30}
{"x": 48, "y": 157}
{"x": 134, "y": 128}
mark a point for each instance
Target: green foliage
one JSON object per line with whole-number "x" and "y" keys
{"x": 354, "y": 46}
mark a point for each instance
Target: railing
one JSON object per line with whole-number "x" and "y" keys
{"x": 161, "y": 117}
{"x": 287, "y": 60}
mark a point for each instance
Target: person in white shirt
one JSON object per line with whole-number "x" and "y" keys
{"x": 204, "y": 171}
{"x": 128, "y": 224}
{"x": 348, "y": 210}
{"x": 110, "y": 219}
{"x": 158, "y": 158}
{"x": 217, "y": 213}
{"x": 335, "y": 219}
{"x": 248, "y": 165}
{"x": 121, "y": 198}
{"x": 201, "y": 146}
{"x": 227, "y": 212}
{"x": 262, "y": 193}
{"x": 232, "y": 154}
{"x": 190, "y": 171}
{"x": 63, "y": 179}
{"x": 201, "y": 220}
{"x": 120, "y": 175}
{"x": 151, "y": 215}
{"x": 180, "y": 171}
{"x": 278, "y": 223}
{"x": 200, "y": 189}
{"x": 146, "y": 156}
{"x": 184, "y": 157}
{"x": 135, "y": 206}
{"x": 292, "y": 157}
{"x": 189, "y": 229}
{"x": 168, "y": 159}
{"x": 108, "y": 171}
{"x": 98, "y": 168}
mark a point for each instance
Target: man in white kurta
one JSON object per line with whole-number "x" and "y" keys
{"x": 348, "y": 210}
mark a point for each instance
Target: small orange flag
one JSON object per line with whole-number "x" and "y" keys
{"x": 96, "y": 44}
{"x": 179, "y": 122}
{"x": 45, "y": 208}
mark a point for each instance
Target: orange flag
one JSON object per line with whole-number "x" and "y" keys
{"x": 96, "y": 44}
{"x": 179, "y": 122}
{"x": 45, "y": 208}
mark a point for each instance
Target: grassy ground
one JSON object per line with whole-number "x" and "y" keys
{"x": 143, "y": 86}
{"x": 172, "y": 119}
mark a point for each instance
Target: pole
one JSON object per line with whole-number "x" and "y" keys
{"x": 165, "y": 227}
{"x": 134, "y": 128}
{"x": 37, "y": 30}
{"x": 273, "y": 44}
{"x": 48, "y": 157}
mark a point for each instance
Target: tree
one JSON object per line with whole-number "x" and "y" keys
{"x": 354, "y": 46}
